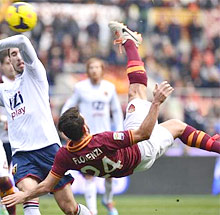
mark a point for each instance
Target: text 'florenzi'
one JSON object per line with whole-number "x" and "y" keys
{"x": 90, "y": 156}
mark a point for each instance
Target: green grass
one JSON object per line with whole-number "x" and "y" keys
{"x": 146, "y": 205}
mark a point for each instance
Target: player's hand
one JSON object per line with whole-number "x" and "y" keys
{"x": 13, "y": 199}
{"x": 161, "y": 92}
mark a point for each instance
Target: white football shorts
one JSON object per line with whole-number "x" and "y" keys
{"x": 161, "y": 139}
{"x": 4, "y": 171}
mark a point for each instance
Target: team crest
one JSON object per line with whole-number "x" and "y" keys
{"x": 118, "y": 136}
{"x": 131, "y": 108}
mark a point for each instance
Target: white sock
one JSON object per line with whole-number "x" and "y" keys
{"x": 108, "y": 195}
{"x": 31, "y": 208}
{"x": 83, "y": 210}
{"x": 90, "y": 195}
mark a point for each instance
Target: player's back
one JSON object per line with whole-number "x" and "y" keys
{"x": 108, "y": 154}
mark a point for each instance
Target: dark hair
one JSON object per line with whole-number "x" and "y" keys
{"x": 71, "y": 124}
{"x": 3, "y": 55}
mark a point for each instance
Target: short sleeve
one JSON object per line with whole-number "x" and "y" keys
{"x": 60, "y": 164}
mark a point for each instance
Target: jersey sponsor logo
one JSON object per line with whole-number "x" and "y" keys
{"x": 118, "y": 136}
{"x": 15, "y": 102}
{"x": 18, "y": 112}
{"x": 98, "y": 105}
{"x": 89, "y": 156}
{"x": 131, "y": 108}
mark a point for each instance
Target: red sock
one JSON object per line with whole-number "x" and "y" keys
{"x": 199, "y": 139}
{"x": 135, "y": 67}
{"x": 6, "y": 188}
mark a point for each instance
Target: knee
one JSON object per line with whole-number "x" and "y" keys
{"x": 175, "y": 126}
{"x": 178, "y": 125}
{"x": 137, "y": 91}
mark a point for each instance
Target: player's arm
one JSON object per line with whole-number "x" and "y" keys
{"x": 117, "y": 114}
{"x": 42, "y": 188}
{"x": 72, "y": 101}
{"x": 23, "y": 44}
{"x": 161, "y": 92}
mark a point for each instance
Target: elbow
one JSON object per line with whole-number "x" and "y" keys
{"x": 140, "y": 136}
{"x": 146, "y": 136}
{"x": 23, "y": 40}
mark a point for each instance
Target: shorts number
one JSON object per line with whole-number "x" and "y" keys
{"x": 108, "y": 166}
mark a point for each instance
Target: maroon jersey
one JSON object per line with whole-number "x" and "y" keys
{"x": 108, "y": 154}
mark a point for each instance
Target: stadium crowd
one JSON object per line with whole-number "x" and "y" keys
{"x": 183, "y": 49}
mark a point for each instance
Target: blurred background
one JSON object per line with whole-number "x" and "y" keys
{"x": 181, "y": 44}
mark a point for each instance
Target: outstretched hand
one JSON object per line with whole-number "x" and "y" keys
{"x": 13, "y": 199}
{"x": 161, "y": 92}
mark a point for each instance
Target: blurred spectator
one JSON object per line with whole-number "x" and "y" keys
{"x": 93, "y": 28}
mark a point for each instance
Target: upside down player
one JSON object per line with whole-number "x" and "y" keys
{"x": 117, "y": 154}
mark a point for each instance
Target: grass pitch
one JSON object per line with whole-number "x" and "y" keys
{"x": 146, "y": 205}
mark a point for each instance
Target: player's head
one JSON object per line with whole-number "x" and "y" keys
{"x": 16, "y": 60}
{"x": 95, "y": 69}
{"x": 72, "y": 124}
{"x": 6, "y": 66}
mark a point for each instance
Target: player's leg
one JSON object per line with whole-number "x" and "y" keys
{"x": 107, "y": 199}
{"x": 67, "y": 202}
{"x": 31, "y": 207}
{"x": 191, "y": 136}
{"x": 91, "y": 194}
{"x": 27, "y": 176}
{"x": 6, "y": 186}
{"x": 135, "y": 67}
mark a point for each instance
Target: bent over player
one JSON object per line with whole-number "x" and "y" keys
{"x": 118, "y": 154}
{"x": 32, "y": 133}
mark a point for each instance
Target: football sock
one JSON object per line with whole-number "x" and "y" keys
{"x": 82, "y": 210}
{"x": 31, "y": 208}
{"x": 135, "y": 67}
{"x": 199, "y": 139}
{"x": 6, "y": 188}
{"x": 108, "y": 195}
{"x": 90, "y": 195}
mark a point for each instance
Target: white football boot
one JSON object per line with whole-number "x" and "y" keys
{"x": 122, "y": 33}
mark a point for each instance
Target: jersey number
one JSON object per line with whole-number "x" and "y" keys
{"x": 108, "y": 166}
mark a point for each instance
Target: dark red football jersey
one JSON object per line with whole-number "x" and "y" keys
{"x": 108, "y": 154}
